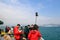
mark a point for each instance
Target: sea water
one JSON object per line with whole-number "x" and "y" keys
{"x": 50, "y": 33}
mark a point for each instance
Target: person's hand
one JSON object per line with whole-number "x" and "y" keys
{"x": 41, "y": 38}
{"x": 20, "y": 30}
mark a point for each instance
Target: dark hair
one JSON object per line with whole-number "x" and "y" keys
{"x": 25, "y": 26}
{"x": 18, "y": 24}
{"x": 28, "y": 25}
{"x": 35, "y": 27}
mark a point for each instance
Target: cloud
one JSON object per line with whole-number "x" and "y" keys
{"x": 47, "y": 20}
{"x": 17, "y": 12}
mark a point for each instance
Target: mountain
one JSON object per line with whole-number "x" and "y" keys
{"x": 51, "y": 25}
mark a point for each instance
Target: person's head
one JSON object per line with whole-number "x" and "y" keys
{"x": 35, "y": 27}
{"x": 32, "y": 26}
{"x": 28, "y": 26}
{"x": 18, "y": 25}
{"x": 25, "y": 26}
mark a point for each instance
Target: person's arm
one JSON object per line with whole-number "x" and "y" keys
{"x": 17, "y": 31}
{"x": 29, "y": 35}
{"x": 40, "y": 36}
{"x": 20, "y": 30}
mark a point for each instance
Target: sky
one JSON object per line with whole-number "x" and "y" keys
{"x": 22, "y": 12}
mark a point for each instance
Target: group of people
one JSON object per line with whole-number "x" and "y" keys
{"x": 29, "y": 33}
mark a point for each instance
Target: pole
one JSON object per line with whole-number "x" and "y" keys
{"x": 36, "y": 20}
{"x": 36, "y": 15}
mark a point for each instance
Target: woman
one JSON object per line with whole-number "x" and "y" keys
{"x": 7, "y": 36}
{"x": 34, "y": 34}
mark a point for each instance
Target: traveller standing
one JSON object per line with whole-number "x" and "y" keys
{"x": 17, "y": 32}
{"x": 26, "y": 31}
{"x": 34, "y": 34}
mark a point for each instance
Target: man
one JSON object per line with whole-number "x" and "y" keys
{"x": 26, "y": 31}
{"x": 34, "y": 34}
{"x": 17, "y": 32}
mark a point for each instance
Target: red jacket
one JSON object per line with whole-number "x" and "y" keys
{"x": 17, "y": 33}
{"x": 34, "y": 35}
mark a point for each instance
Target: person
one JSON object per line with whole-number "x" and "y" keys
{"x": 17, "y": 32}
{"x": 0, "y": 31}
{"x": 22, "y": 35}
{"x": 26, "y": 31}
{"x": 7, "y": 36}
{"x": 34, "y": 34}
{"x": 30, "y": 27}
{"x": 7, "y": 29}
